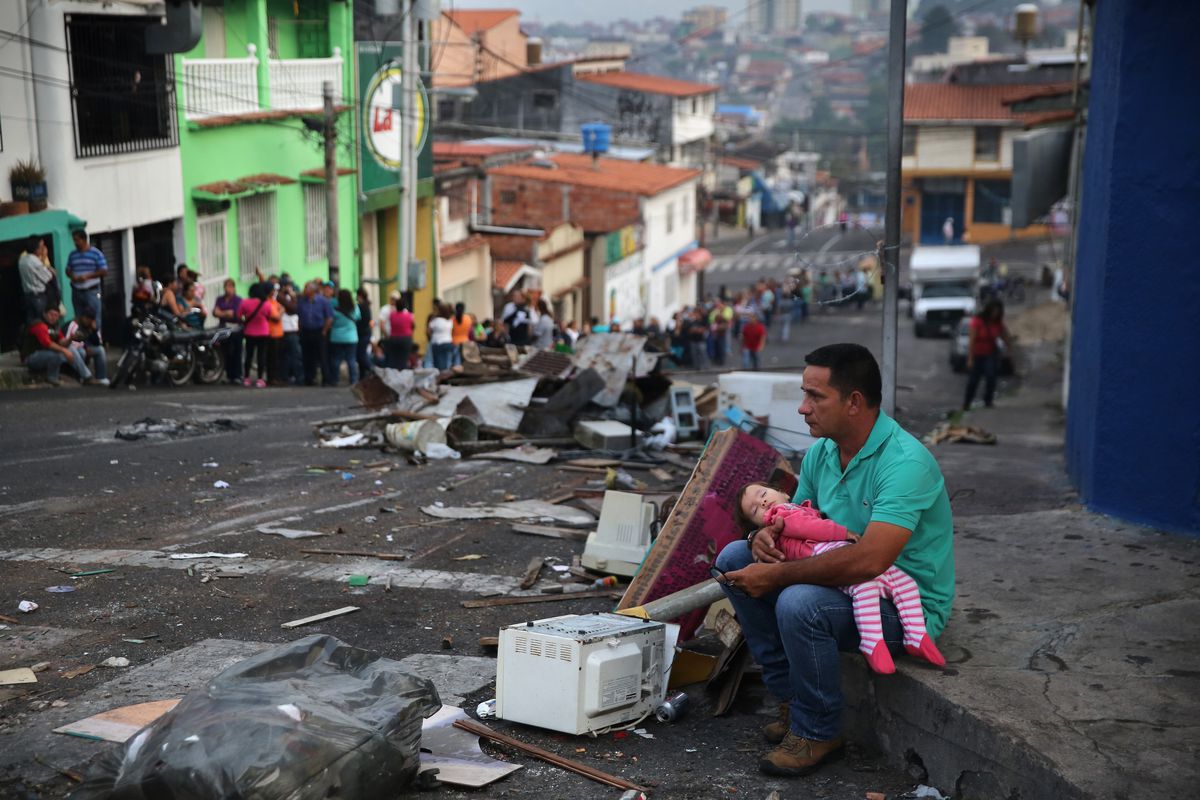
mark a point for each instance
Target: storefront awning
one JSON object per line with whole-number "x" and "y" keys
{"x": 696, "y": 260}
{"x": 239, "y": 187}
{"x": 506, "y": 274}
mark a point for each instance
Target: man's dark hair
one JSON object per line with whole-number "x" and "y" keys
{"x": 851, "y": 368}
{"x": 80, "y": 234}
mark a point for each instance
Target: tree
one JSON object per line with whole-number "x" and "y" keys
{"x": 936, "y": 29}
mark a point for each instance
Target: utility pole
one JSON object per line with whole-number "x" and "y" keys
{"x": 331, "y": 185}
{"x": 889, "y": 256}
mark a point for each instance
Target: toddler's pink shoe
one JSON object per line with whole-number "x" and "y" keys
{"x": 926, "y": 650}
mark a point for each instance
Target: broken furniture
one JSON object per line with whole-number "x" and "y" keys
{"x": 622, "y": 536}
{"x": 775, "y": 396}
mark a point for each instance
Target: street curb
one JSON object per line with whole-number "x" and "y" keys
{"x": 965, "y": 755}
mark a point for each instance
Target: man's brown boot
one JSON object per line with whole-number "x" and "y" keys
{"x": 775, "y": 731}
{"x": 796, "y": 756}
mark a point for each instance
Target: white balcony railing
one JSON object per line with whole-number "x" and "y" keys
{"x": 297, "y": 84}
{"x": 215, "y": 87}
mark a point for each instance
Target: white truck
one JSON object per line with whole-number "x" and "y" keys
{"x": 945, "y": 284}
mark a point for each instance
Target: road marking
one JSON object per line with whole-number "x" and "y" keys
{"x": 376, "y": 571}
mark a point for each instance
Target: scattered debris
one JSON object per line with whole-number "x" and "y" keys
{"x": 166, "y": 428}
{"x": 41, "y": 666}
{"x": 500, "y": 405}
{"x": 456, "y": 754}
{"x": 75, "y": 672}
{"x": 220, "y": 484}
{"x": 967, "y": 434}
{"x": 358, "y": 735}
{"x": 337, "y": 612}
{"x": 60, "y": 589}
{"x": 115, "y": 662}
{"x": 531, "y": 572}
{"x": 91, "y": 572}
{"x": 489, "y": 602}
{"x": 469, "y": 557}
{"x": 27, "y": 606}
{"x": 526, "y": 454}
{"x": 349, "y": 440}
{"x": 188, "y": 556}
{"x": 545, "y": 755}
{"x": 69, "y": 774}
{"x": 120, "y": 724}
{"x": 210, "y": 464}
{"x": 604, "y": 434}
{"x": 489, "y": 641}
{"x": 289, "y": 533}
{"x": 12, "y": 677}
{"x": 357, "y": 580}
{"x": 522, "y": 509}
{"x": 570, "y": 534}
{"x": 360, "y": 553}
{"x": 486, "y": 709}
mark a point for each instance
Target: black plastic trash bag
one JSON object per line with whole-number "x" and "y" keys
{"x": 316, "y": 718}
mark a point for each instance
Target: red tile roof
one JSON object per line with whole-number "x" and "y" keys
{"x": 614, "y": 174}
{"x": 740, "y": 163}
{"x": 504, "y": 271}
{"x": 461, "y": 149}
{"x": 319, "y": 172}
{"x": 650, "y": 84}
{"x": 958, "y": 102}
{"x": 477, "y": 19}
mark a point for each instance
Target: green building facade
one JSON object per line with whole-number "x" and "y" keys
{"x": 249, "y": 104}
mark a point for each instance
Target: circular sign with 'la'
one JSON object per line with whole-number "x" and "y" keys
{"x": 381, "y": 122}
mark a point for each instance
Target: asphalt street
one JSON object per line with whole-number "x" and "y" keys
{"x": 74, "y": 498}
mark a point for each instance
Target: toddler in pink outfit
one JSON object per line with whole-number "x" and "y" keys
{"x": 806, "y": 533}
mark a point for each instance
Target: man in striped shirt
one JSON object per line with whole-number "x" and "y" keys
{"x": 86, "y": 268}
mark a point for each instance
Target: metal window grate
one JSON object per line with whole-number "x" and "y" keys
{"x": 212, "y": 251}
{"x": 257, "y": 245}
{"x": 122, "y": 98}
{"x": 314, "y": 222}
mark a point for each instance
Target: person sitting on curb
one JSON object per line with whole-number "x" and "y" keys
{"x": 868, "y": 474}
{"x": 44, "y": 349}
{"x": 85, "y": 338}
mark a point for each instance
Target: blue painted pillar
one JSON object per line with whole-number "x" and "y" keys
{"x": 1133, "y": 426}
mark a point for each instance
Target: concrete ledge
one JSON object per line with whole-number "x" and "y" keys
{"x": 916, "y": 726}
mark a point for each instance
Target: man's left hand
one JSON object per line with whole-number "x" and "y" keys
{"x": 755, "y": 580}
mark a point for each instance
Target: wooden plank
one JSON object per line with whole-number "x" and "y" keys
{"x": 589, "y": 470}
{"x": 11, "y": 677}
{"x": 363, "y": 553}
{"x": 489, "y": 641}
{"x": 337, "y": 612}
{"x": 489, "y": 602}
{"x": 570, "y": 534}
{"x": 545, "y": 755}
{"x": 531, "y": 572}
{"x": 119, "y": 724}
{"x": 662, "y": 475}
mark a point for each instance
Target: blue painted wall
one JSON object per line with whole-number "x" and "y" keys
{"x": 1133, "y": 427}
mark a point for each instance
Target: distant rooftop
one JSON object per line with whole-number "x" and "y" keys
{"x": 969, "y": 102}
{"x": 613, "y": 174}
{"x": 475, "y": 20}
{"x": 650, "y": 84}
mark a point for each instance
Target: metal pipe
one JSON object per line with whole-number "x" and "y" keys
{"x": 679, "y": 603}
{"x": 890, "y": 257}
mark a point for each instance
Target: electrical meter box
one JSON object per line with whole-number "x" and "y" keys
{"x": 581, "y": 672}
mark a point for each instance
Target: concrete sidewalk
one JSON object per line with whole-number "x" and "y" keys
{"x": 1073, "y": 653}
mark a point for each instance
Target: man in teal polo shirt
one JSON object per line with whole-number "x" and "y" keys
{"x": 868, "y": 474}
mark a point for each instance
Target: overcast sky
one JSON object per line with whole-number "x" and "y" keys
{"x": 547, "y": 11}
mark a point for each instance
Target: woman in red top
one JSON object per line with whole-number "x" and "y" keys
{"x": 397, "y": 347}
{"x": 983, "y": 353}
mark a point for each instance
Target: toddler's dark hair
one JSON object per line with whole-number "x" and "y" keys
{"x": 744, "y": 522}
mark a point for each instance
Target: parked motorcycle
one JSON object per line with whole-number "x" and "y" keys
{"x": 164, "y": 351}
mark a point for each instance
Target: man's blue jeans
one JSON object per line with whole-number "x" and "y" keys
{"x": 795, "y": 635}
{"x": 87, "y": 301}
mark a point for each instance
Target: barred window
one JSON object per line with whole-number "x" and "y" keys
{"x": 212, "y": 250}
{"x": 315, "y": 247}
{"x": 123, "y": 98}
{"x": 257, "y": 245}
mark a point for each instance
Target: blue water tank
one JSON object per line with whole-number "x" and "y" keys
{"x": 596, "y": 136}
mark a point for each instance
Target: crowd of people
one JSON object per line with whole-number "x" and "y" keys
{"x": 290, "y": 334}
